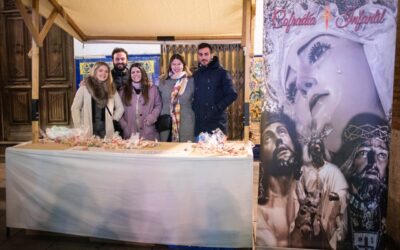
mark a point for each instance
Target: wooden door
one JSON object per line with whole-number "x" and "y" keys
{"x": 55, "y": 81}
{"x": 57, "y": 84}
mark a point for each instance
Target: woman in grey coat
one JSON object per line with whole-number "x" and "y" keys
{"x": 177, "y": 88}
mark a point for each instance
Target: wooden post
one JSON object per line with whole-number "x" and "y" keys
{"x": 248, "y": 54}
{"x": 35, "y": 74}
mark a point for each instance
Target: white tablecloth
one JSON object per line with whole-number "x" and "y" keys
{"x": 154, "y": 197}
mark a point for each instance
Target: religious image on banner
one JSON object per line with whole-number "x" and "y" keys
{"x": 325, "y": 123}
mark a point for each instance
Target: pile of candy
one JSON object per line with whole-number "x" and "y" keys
{"x": 77, "y": 137}
{"x": 209, "y": 144}
{"x": 216, "y": 144}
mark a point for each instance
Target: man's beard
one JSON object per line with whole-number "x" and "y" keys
{"x": 367, "y": 188}
{"x": 281, "y": 167}
{"x": 367, "y": 205}
{"x": 317, "y": 159}
{"x": 119, "y": 66}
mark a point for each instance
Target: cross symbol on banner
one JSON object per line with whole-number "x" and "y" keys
{"x": 327, "y": 16}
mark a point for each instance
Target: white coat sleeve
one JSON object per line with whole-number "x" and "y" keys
{"x": 77, "y": 106}
{"x": 119, "y": 107}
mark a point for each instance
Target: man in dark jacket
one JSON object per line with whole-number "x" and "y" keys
{"x": 213, "y": 92}
{"x": 120, "y": 71}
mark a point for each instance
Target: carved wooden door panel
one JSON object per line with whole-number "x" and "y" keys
{"x": 55, "y": 81}
{"x": 16, "y": 84}
{"x": 57, "y": 78}
{"x": 231, "y": 57}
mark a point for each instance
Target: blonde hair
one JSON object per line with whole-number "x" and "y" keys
{"x": 109, "y": 81}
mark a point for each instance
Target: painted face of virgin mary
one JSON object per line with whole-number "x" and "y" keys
{"x": 328, "y": 81}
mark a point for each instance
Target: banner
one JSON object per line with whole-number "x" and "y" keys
{"x": 325, "y": 123}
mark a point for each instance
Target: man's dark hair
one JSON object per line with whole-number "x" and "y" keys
{"x": 268, "y": 118}
{"x": 204, "y": 45}
{"x": 117, "y": 50}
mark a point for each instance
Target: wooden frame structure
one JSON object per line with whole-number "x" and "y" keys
{"x": 58, "y": 14}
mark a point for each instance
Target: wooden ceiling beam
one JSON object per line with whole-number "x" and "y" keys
{"x": 155, "y": 38}
{"x": 47, "y": 26}
{"x": 34, "y": 31}
{"x": 68, "y": 19}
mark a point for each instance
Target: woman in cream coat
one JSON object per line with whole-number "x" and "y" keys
{"x": 97, "y": 103}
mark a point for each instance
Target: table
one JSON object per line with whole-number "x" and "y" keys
{"x": 163, "y": 195}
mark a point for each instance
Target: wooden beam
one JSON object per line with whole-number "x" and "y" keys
{"x": 246, "y": 22}
{"x": 248, "y": 55}
{"x": 68, "y": 19}
{"x": 47, "y": 26}
{"x": 35, "y": 75}
{"x": 154, "y": 38}
{"x": 247, "y": 45}
{"x": 28, "y": 22}
{"x": 252, "y": 27}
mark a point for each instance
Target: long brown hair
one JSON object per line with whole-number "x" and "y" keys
{"x": 185, "y": 67}
{"x": 145, "y": 84}
{"x": 109, "y": 81}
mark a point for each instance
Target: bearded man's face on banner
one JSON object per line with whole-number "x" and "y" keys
{"x": 370, "y": 166}
{"x": 324, "y": 75}
{"x": 278, "y": 150}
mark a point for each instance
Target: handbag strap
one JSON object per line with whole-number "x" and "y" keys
{"x": 109, "y": 111}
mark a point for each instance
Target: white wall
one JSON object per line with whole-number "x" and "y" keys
{"x": 258, "y": 29}
{"x": 90, "y": 50}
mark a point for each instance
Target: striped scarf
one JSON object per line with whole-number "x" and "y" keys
{"x": 175, "y": 107}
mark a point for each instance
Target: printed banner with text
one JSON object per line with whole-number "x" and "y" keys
{"x": 325, "y": 123}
